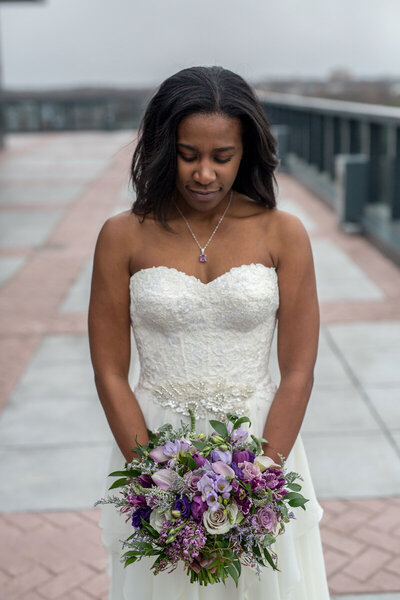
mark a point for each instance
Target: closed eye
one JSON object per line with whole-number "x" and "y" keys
{"x": 193, "y": 158}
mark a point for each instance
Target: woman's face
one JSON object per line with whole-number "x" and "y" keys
{"x": 209, "y": 151}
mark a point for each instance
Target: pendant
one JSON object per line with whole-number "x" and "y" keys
{"x": 203, "y": 257}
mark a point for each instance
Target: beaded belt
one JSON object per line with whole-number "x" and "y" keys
{"x": 205, "y": 398}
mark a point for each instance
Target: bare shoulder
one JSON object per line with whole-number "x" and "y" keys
{"x": 120, "y": 231}
{"x": 119, "y": 237}
{"x": 289, "y": 234}
{"x": 289, "y": 227}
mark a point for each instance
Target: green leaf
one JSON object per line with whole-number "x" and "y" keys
{"x": 269, "y": 560}
{"x": 200, "y": 445}
{"x": 219, "y": 428}
{"x": 191, "y": 463}
{"x": 144, "y": 545}
{"x": 149, "y": 528}
{"x": 130, "y": 561}
{"x": 257, "y": 443}
{"x": 294, "y": 486}
{"x": 119, "y": 483}
{"x": 152, "y": 436}
{"x": 241, "y": 421}
{"x": 132, "y": 553}
{"x": 238, "y": 566}
{"x": 127, "y": 473}
{"x": 233, "y": 573}
{"x": 293, "y": 495}
{"x": 298, "y": 502}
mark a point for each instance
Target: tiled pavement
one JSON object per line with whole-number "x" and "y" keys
{"x": 56, "y": 191}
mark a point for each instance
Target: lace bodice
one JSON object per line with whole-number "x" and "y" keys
{"x": 212, "y": 340}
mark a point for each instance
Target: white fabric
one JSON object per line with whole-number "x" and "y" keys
{"x": 185, "y": 331}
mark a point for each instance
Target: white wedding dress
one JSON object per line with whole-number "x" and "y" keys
{"x": 207, "y": 346}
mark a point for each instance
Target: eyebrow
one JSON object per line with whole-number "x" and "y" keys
{"x": 223, "y": 149}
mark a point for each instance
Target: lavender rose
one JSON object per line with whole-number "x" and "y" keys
{"x": 191, "y": 479}
{"x": 265, "y": 520}
{"x": 250, "y": 471}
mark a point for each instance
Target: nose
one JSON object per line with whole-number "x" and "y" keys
{"x": 204, "y": 173}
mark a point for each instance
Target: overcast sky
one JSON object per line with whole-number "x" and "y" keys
{"x": 57, "y": 43}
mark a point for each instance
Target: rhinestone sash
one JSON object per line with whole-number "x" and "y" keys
{"x": 205, "y": 398}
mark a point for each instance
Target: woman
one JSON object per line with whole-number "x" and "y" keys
{"x": 202, "y": 267}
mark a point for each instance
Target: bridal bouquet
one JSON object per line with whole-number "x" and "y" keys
{"x": 213, "y": 502}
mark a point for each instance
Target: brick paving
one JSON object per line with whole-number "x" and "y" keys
{"x": 50, "y": 555}
{"x": 58, "y": 554}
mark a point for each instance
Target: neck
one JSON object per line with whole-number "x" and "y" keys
{"x": 206, "y": 216}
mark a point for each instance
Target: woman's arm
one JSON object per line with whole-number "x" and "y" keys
{"x": 298, "y": 333}
{"x": 109, "y": 335}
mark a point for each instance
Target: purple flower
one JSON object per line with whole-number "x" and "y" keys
{"x": 235, "y": 484}
{"x": 183, "y": 505}
{"x": 252, "y": 456}
{"x": 250, "y": 470}
{"x": 244, "y": 504}
{"x": 225, "y": 456}
{"x": 206, "y": 484}
{"x": 164, "y": 478}
{"x": 239, "y": 434}
{"x": 137, "y": 501}
{"x": 223, "y": 486}
{"x": 141, "y": 513}
{"x": 145, "y": 481}
{"x": 265, "y": 519}
{"x": 280, "y": 494}
{"x": 257, "y": 483}
{"x": 198, "y": 507}
{"x": 240, "y": 456}
{"x": 272, "y": 481}
{"x": 212, "y": 501}
{"x": 198, "y": 459}
{"x": 191, "y": 479}
{"x": 171, "y": 448}
{"x": 157, "y": 454}
{"x": 222, "y": 468}
{"x": 238, "y": 472}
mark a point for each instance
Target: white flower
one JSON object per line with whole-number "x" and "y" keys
{"x": 157, "y": 516}
{"x": 217, "y": 521}
{"x": 264, "y": 462}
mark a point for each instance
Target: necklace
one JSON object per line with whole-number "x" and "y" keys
{"x": 203, "y": 257}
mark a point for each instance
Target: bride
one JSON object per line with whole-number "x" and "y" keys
{"x": 202, "y": 268}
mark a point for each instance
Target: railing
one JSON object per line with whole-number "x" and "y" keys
{"x": 71, "y": 111}
{"x": 349, "y": 154}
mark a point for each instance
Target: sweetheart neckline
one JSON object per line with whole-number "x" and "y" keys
{"x": 273, "y": 269}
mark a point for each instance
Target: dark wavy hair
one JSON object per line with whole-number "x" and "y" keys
{"x": 200, "y": 90}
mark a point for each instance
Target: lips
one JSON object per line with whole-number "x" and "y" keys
{"x": 204, "y": 193}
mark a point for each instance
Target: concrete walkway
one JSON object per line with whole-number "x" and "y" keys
{"x": 56, "y": 191}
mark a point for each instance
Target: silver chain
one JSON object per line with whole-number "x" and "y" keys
{"x": 202, "y": 250}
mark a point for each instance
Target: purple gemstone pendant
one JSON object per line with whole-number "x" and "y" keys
{"x": 203, "y": 257}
